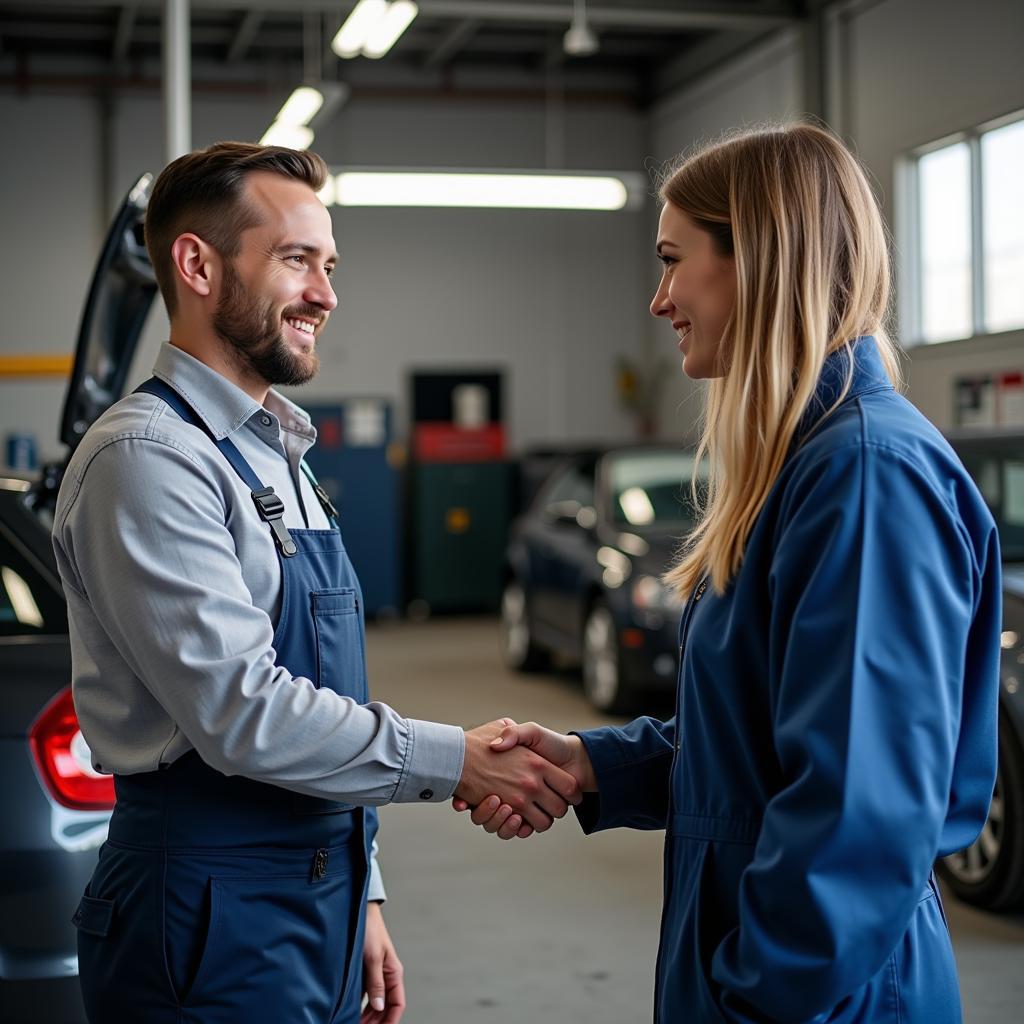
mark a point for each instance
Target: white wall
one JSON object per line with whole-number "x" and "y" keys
{"x": 762, "y": 85}
{"x": 920, "y": 70}
{"x": 912, "y": 71}
{"x": 550, "y": 297}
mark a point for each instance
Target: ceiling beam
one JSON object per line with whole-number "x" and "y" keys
{"x": 698, "y": 60}
{"x": 701, "y": 16}
{"x": 451, "y": 43}
{"x": 247, "y": 29}
{"x": 123, "y": 32}
{"x": 50, "y": 32}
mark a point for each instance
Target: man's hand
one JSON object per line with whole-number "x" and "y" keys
{"x": 566, "y": 752}
{"x": 382, "y": 972}
{"x": 533, "y": 788}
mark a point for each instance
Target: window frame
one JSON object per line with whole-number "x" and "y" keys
{"x": 908, "y": 232}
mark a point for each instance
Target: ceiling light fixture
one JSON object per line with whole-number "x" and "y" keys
{"x": 310, "y": 104}
{"x": 580, "y": 40}
{"x": 292, "y": 136}
{"x": 300, "y": 107}
{"x": 496, "y": 190}
{"x": 373, "y": 27}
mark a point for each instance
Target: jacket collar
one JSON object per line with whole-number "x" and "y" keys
{"x": 868, "y": 375}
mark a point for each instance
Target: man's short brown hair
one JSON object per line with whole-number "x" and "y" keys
{"x": 202, "y": 192}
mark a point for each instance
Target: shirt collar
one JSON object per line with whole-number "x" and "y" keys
{"x": 868, "y": 375}
{"x": 222, "y": 406}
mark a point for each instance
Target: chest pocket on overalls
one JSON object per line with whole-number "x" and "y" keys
{"x": 339, "y": 642}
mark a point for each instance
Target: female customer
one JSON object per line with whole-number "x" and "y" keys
{"x": 836, "y": 719}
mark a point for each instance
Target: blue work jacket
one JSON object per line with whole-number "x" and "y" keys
{"x": 835, "y": 732}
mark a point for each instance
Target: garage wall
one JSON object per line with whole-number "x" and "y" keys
{"x": 763, "y": 84}
{"x": 901, "y": 73}
{"x": 919, "y": 70}
{"x": 550, "y": 297}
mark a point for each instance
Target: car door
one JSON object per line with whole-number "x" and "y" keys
{"x": 563, "y": 546}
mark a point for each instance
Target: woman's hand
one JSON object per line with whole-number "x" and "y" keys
{"x": 567, "y": 752}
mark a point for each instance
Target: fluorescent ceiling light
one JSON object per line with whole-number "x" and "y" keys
{"x": 385, "y": 33}
{"x": 356, "y": 29}
{"x": 373, "y": 27}
{"x": 293, "y": 136}
{"x": 326, "y": 194}
{"x": 509, "y": 191}
{"x": 300, "y": 107}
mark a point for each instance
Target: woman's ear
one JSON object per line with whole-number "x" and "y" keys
{"x": 196, "y": 263}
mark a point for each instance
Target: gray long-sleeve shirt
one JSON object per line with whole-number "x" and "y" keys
{"x": 173, "y": 586}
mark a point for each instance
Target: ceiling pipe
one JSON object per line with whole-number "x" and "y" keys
{"x": 177, "y": 89}
{"x": 738, "y": 16}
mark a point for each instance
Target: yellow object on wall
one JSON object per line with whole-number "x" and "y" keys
{"x": 35, "y": 366}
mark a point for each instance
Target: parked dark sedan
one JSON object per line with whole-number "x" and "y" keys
{"x": 56, "y": 808}
{"x": 583, "y": 568}
{"x": 990, "y": 873}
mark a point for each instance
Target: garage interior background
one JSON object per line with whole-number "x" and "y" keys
{"x": 554, "y": 298}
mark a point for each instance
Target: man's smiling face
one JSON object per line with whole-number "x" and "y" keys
{"x": 276, "y": 294}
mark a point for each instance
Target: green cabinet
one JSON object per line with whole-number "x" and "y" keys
{"x": 460, "y": 519}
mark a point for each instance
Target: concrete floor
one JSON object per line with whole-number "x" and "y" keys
{"x": 559, "y": 927}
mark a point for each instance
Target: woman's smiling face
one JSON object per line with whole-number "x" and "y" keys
{"x": 697, "y": 293}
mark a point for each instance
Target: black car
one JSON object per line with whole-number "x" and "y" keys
{"x": 56, "y": 808}
{"x": 583, "y": 570}
{"x": 990, "y": 872}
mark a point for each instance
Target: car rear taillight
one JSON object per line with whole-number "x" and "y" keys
{"x": 64, "y": 759}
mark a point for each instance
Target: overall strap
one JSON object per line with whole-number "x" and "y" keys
{"x": 268, "y": 504}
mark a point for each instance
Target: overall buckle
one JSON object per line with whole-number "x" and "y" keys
{"x": 271, "y": 510}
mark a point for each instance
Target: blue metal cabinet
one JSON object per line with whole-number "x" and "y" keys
{"x": 355, "y": 461}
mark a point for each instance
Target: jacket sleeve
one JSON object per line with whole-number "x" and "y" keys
{"x": 874, "y": 584}
{"x": 632, "y": 765}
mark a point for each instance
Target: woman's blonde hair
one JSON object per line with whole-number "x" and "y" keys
{"x": 794, "y": 208}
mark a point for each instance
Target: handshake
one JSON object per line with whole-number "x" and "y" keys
{"x": 518, "y": 778}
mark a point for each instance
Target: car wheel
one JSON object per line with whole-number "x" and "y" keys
{"x": 990, "y": 872}
{"x": 603, "y": 681}
{"x": 519, "y": 650}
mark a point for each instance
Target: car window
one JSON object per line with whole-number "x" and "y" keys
{"x": 573, "y": 484}
{"x": 1000, "y": 479}
{"x": 1011, "y": 533}
{"x": 653, "y": 487}
{"x": 29, "y": 604}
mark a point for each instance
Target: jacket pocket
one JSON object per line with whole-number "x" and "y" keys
{"x": 340, "y": 662}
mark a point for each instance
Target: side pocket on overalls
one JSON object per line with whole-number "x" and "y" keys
{"x": 94, "y": 919}
{"x": 120, "y": 957}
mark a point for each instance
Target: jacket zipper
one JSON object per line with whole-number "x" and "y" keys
{"x": 683, "y": 635}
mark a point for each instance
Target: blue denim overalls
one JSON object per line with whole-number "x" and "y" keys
{"x": 221, "y": 900}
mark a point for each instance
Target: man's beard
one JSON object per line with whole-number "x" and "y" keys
{"x": 255, "y": 335}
